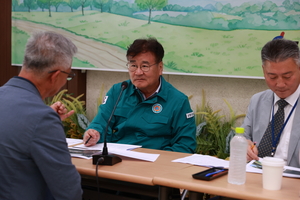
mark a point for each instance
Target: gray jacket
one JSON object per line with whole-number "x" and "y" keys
{"x": 257, "y": 120}
{"x": 34, "y": 160}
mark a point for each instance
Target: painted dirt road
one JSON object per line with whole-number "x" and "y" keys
{"x": 101, "y": 55}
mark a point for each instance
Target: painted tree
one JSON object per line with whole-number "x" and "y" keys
{"x": 296, "y": 6}
{"x": 83, "y": 4}
{"x": 43, "y": 4}
{"x": 269, "y": 6}
{"x": 255, "y": 8}
{"x": 108, "y": 6}
{"x": 287, "y": 4}
{"x": 150, "y": 5}
{"x": 30, "y": 4}
{"x": 56, "y": 4}
{"x": 49, "y": 4}
{"x": 219, "y": 6}
{"x": 99, "y": 4}
{"x": 226, "y": 8}
{"x": 73, "y": 4}
{"x": 14, "y": 4}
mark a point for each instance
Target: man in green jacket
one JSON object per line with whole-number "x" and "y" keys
{"x": 151, "y": 112}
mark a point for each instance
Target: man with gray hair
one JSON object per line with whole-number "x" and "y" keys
{"x": 34, "y": 158}
{"x": 273, "y": 117}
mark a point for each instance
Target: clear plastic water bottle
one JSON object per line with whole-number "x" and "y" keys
{"x": 238, "y": 160}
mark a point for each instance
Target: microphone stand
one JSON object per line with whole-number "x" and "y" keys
{"x": 109, "y": 159}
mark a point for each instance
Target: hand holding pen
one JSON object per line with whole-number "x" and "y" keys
{"x": 91, "y": 137}
{"x": 252, "y": 151}
{"x": 88, "y": 140}
{"x": 253, "y": 145}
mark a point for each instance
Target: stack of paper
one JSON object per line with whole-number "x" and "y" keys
{"x": 78, "y": 149}
{"x": 74, "y": 142}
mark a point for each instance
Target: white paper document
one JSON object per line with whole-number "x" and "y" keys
{"x": 203, "y": 160}
{"x": 288, "y": 171}
{"x": 82, "y": 151}
{"x": 72, "y": 142}
{"x": 137, "y": 155}
{"x": 111, "y": 146}
{"x": 78, "y": 143}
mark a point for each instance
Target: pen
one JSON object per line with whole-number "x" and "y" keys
{"x": 219, "y": 173}
{"x": 216, "y": 172}
{"x": 253, "y": 145}
{"x": 88, "y": 140}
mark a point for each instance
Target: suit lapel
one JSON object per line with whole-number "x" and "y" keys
{"x": 295, "y": 133}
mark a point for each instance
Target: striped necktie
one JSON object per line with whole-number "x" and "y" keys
{"x": 265, "y": 146}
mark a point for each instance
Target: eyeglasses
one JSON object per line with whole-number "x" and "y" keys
{"x": 144, "y": 67}
{"x": 71, "y": 75}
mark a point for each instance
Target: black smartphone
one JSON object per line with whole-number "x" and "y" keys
{"x": 210, "y": 173}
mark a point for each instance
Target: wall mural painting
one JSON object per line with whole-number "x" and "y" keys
{"x": 201, "y": 37}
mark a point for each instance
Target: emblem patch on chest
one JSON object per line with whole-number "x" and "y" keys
{"x": 157, "y": 108}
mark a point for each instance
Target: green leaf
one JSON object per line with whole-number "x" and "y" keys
{"x": 83, "y": 121}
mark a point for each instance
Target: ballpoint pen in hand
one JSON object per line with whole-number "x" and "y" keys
{"x": 88, "y": 140}
{"x": 253, "y": 145}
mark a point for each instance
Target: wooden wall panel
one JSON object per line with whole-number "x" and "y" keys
{"x": 77, "y": 85}
{"x": 6, "y": 70}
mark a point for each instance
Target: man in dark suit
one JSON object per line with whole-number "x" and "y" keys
{"x": 34, "y": 158}
{"x": 281, "y": 67}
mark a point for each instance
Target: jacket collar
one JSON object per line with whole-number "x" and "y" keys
{"x": 163, "y": 92}
{"x": 23, "y": 83}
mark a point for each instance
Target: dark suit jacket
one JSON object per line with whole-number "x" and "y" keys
{"x": 34, "y": 160}
{"x": 257, "y": 120}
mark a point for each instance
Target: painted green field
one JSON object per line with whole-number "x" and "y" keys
{"x": 19, "y": 39}
{"x": 187, "y": 50}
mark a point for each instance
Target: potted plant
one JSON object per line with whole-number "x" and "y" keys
{"x": 214, "y": 131}
{"x": 76, "y": 124}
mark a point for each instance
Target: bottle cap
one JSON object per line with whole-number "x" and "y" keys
{"x": 239, "y": 130}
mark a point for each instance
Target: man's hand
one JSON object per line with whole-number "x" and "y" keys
{"x": 61, "y": 110}
{"x": 92, "y": 136}
{"x": 252, "y": 151}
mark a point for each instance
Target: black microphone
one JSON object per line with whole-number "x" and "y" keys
{"x": 109, "y": 159}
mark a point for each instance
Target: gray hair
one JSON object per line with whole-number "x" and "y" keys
{"x": 45, "y": 50}
{"x": 279, "y": 50}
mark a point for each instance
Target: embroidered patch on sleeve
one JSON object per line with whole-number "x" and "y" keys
{"x": 189, "y": 115}
{"x": 104, "y": 100}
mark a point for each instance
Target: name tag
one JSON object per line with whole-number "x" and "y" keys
{"x": 189, "y": 115}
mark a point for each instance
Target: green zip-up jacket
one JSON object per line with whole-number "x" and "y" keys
{"x": 165, "y": 121}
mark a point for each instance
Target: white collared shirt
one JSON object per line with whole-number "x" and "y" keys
{"x": 283, "y": 145}
{"x": 157, "y": 90}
